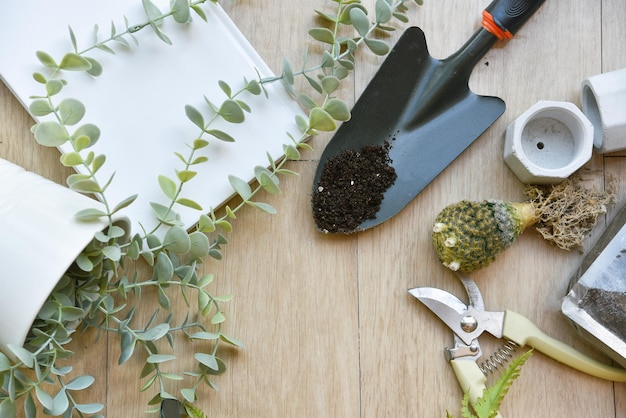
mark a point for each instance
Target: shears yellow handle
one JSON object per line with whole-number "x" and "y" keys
{"x": 522, "y": 331}
{"x": 471, "y": 379}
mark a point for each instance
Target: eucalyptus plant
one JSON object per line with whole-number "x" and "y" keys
{"x": 104, "y": 286}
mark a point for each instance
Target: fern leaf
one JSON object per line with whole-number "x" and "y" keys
{"x": 488, "y": 405}
{"x": 466, "y": 410}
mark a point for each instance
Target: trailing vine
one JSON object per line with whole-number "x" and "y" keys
{"x": 103, "y": 288}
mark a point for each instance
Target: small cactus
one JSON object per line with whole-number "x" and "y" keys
{"x": 469, "y": 235}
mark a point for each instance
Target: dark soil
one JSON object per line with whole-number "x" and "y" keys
{"x": 351, "y": 187}
{"x": 608, "y": 308}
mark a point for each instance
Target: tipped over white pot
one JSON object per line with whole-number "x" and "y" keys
{"x": 39, "y": 240}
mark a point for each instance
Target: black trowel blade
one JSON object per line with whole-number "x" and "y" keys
{"x": 423, "y": 108}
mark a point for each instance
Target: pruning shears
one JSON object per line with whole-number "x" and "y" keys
{"x": 469, "y": 321}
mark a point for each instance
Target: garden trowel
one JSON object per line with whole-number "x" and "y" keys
{"x": 422, "y": 110}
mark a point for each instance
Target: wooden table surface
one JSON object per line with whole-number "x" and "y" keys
{"x": 329, "y": 328}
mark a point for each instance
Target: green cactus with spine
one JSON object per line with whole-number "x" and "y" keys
{"x": 469, "y": 235}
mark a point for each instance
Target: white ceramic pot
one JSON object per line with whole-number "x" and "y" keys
{"x": 39, "y": 239}
{"x": 548, "y": 143}
{"x": 603, "y": 99}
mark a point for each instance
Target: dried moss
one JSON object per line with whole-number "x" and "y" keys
{"x": 567, "y": 211}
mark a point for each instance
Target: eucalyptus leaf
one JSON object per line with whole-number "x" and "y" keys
{"x": 89, "y": 408}
{"x": 307, "y": 101}
{"x": 164, "y": 269}
{"x": 180, "y": 11}
{"x": 253, "y": 87}
{"x": 328, "y": 61}
{"x": 321, "y": 120}
{"x": 231, "y": 111}
{"x": 89, "y": 130}
{"x": 71, "y": 111}
{"x": 189, "y": 394}
{"x": 46, "y": 60}
{"x": 30, "y": 409}
{"x": 96, "y": 68}
{"x": 124, "y": 203}
{"x": 60, "y": 403}
{"x": 88, "y": 215}
{"x": 231, "y": 341}
{"x": 127, "y": 343}
{"x": 287, "y": 73}
{"x": 218, "y": 318}
{"x": 330, "y": 84}
{"x": 337, "y": 109}
{"x": 80, "y": 382}
{"x": 199, "y": 245}
{"x": 241, "y": 187}
{"x": 207, "y": 359}
{"x": 225, "y": 88}
{"x": 195, "y": 116}
{"x": 22, "y": 354}
{"x": 71, "y": 159}
{"x": 291, "y": 152}
{"x": 359, "y": 20}
{"x": 54, "y": 87}
{"x": 160, "y": 358}
{"x": 206, "y": 224}
{"x": 383, "y": 11}
{"x": 50, "y": 134}
{"x": 177, "y": 240}
{"x": 112, "y": 252}
{"x": 196, "y": 8}
{"x": 155, "y": 333}
{"x": 74, "y": 62}
{"x": 183, "y": 201}
{"x": 221, "y": 135}
{"x": 185, "y": 175}
{"x": 322, "y": 35}
{"x": 265, "y": 207}
{"x": 86, "y": 186}
{"x": 377, "y": 46}
{"x": 168, "y": 186}
{"x": 40, "y": 107}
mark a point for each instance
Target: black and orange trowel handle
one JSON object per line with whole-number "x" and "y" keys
{"x": 504, "y": 17}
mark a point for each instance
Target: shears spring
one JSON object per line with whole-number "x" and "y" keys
{"x": 499, "y": 358}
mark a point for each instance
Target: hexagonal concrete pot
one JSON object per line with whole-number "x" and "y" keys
{"x": 548, "y": 143}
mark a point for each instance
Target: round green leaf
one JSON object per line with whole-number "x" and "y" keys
{"x": 40, "y": 107}
{"x": 50, "y": 134}
{"x": 89, "y": 130}
{"x": 320, "y": 120}
{"x": 53, "y": 87}
{"x": 74, "y": 62}
{"x": 383, "y": 11}
{"x": 180, "y": 11}
{"x": 71, "y": 111}
{"x": 359, "y": 20}
{"x": 80, "y": 382}
{"x": 377, "y": 46}
{"x": 71, "y": 159}
{"x": 46, "y": 59}
{"x": 177, "y": 240}
{"x": 324, "y": 35}
{"x": 337, "y": 109}
{"x": 199, "y": 244}
{"x": 231, "y": 111}
{"x": 96, "y": 67}
{"x": 330, "y": 84}
{"x": 154, "y": 333}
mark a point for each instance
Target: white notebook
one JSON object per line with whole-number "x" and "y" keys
{"x": 139, "y": 100}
